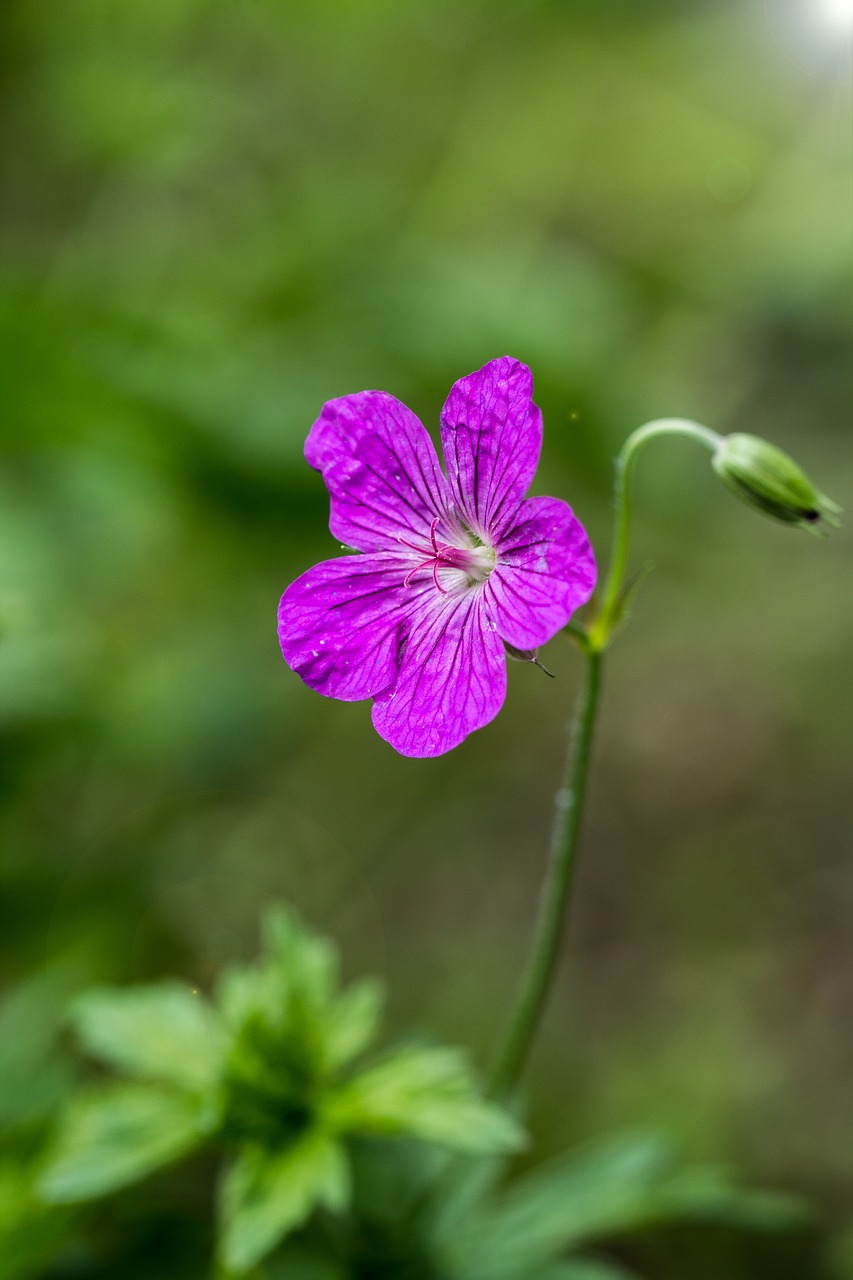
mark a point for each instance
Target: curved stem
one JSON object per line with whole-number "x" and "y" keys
{"x": 569, "y": 801}
{"x": 611, "y": 592}
{"x": 568, "y": 812}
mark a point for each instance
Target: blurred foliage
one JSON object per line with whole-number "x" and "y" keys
{"x": 214, "y": 217}
{"x": 34, "y": 1078}
{"x": 271, "y": 1071}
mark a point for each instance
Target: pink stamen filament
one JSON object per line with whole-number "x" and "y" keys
{"x": 434, "y": 561}
{"x": 439, "y": 556}
{"x": 443, "y": 554}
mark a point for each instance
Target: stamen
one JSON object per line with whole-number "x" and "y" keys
{"x": 407, "y": 581}
{"x": 476, "y": 562}
{"x": 434, "y": 562}
{"x": 435, "y": 565}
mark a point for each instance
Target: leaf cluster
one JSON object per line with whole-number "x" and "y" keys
{"x": 340, "y": 1162}
{"x": 273, "y": 1070}
{"x": 464, "y": 1220}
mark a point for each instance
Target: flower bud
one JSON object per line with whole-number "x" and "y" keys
{"x": 766, "y": 478}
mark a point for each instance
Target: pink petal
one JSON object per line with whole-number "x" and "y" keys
{"x": 341, "y": 625}
{"x": 452, "y": 679}
{"x": 491, "y": 432}
{"x": 545, "y": 570}
{"x": 380, "y": 468}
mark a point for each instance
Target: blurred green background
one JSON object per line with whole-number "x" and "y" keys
{"x": 217, "y": 215}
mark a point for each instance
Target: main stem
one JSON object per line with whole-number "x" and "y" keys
{"x": 569, "y": 802}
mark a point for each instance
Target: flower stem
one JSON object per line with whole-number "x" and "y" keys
{"x": 611, "y": 595}
{"x": 568, "y": 812}
{"x": 569, "y": 800}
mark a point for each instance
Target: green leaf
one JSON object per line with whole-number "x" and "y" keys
{"x": 463, "y": 1192}
{"x": 33, "y": 1075}
{"x": 291, "y": 995}
{"x": 164, "y": 1032}
{"x": 31, "y": 1233}
{"x": 711, "y": 1195}
{"x": 423, "y": 1093}
{"x": 392, "y": 1180}
{"x": 264, "y": 1196}
{"x": 116, "y": 1136}
{"x": 622, "y": 1186}
{"x": 352, "y": 1022}
{"x": 237, "y": 995}
{"x": 306, "y": 962}
{"x": 610, "y": 1188}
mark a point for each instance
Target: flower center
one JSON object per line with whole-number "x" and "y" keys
{"x": 474, "y": 562}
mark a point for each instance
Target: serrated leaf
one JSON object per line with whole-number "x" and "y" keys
{"x": 114, "y": 1137}
{"x": 237, "y": 995}
{"x": 165, "y": 1032}
{"x": 291, "y": 994}
{"x": 352, "y": 1022}
{"x": 424, "y": 1093}
{"x": 264, "y": 1196}
{"x": 604, "y": 1190}
{"x": 306, "y": 962}
{"x": 711, "y": 1195}
{"x": 623, "y": 1186}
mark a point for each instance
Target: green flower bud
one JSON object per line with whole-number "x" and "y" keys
{"x": 767, "y": 478}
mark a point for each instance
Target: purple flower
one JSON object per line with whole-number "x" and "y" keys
{"x": 451, "y": 567}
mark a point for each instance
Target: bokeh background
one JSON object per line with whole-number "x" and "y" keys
{"x": 215, "y": 216}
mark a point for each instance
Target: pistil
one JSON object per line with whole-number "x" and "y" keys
{"x": 476, "y": 562}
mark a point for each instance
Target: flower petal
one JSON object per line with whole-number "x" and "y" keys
{"x": 452, "y": 677}
{"x": 491, "y": 433}
{"x": 380, "y": 468}
{"x": 545, "y": 570}
{"x": 340, "y": 625}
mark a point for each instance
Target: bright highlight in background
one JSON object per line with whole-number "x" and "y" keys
{"x": 838, "y": 11}
{"x": 815, "y": 35}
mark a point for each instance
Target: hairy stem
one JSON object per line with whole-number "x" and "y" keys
{"x": 569, "y": 801}
{"x": 568, "y": 812}
{"x": 611, "y": 592}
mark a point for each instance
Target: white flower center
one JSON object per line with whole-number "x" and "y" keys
{"x": 472, "y": 561}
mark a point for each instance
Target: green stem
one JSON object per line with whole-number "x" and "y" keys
{"x": 605, "y": 623}
{"x": 568, "y": 812}
{"x": 569, "y": 801}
